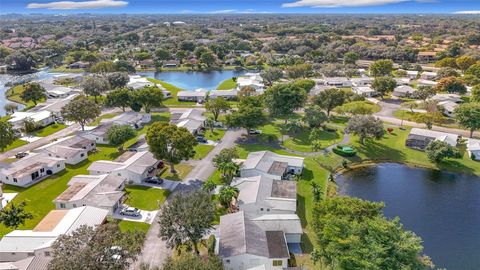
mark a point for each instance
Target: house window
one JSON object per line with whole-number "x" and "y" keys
{"x": 42, "y": 170}
{"x": 74, "y": 205}
{"x": 277, "y": 263}
{"x": 268, "y": 209}
{"x": 62, "y": 205}
{"x": 6, "y": 177}
{"x": 15, "y": 180}
{"x": 261, "y": 209}
{"x": 47, "y": 253}
{"x": 227, "y": 261}
{"x": 119, "y": 174}
{"x": 91, "y": 144}
{"x": 30, "y": 254}
{"x": 82, "y": 155}
{"x": 49, "y": 155}
{"x": 58, "y": 165}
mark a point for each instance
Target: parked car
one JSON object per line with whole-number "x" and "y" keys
{"x": 201, "y": 139}
{"x": 21, "y": 155}
{"x": 130, "y": 211}
{"x": 254, "y": 131}
{"x": 154, "y": 180}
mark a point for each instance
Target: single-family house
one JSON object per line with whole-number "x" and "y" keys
{"x": 473, "y": 148}
{"x": 289, "y": 224}
{"x": 54, "y": 105}
{"x": 420, "y": 138}
{"x": 41, "y": 118}
{"x": 135, "y": 169}
{"x": 361, "y": 81}
{"x": 131, "y": 118}
{"x": 191, "y": 119}
{"x": 73, "y": 149}
{"x": 423, "y": 82}
{"x": 23, "y": 246}
{"x": 365, "y": 91}
{"x": 402, "y": 81}
{"x": 98, "y": 134}
{"x": 244, "y": 244}
{"x": 412, "y": 74}
{"x": 337, "y": 81}
{"x": 102, "y": 191}
{"x": 426, "y": 57}
{"x": 226, "y": 94}
{"x": 271, "y": 165}
{"x": 31, "y": 169}
{"x": 199, "y": 95}
{"x": 403, "y": 91}
{"x": 263, "y": 195}
{"x": 428, "y": 75}
{"x": 448, "y": 107}
{"x": 447, "y": 97}
{"x": 253, "y": 80}
{"x": 171, "y": 64}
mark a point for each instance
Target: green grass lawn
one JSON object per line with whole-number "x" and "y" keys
{"x": 48, "y": 130}
{"x": 173, "y": 101}
{"x": 65, "y": 69}
{"x": 145, "y": 198}
{"x": 216, "y": 135}
{"x": 202, "y": 150}
{"x": 301, "y": 141}
{"x": 408, "y": 115}
{"x": 227, "y": 84}
{"x": 156, "y": 117}
{"x": 15, "y": 144}
{"x": 39, "y": 197}
{"x": 126, "y": 225}
{"x": 13, "y": 94}
{"x": 182, "y": 171}
{"x": 101, "y": 117}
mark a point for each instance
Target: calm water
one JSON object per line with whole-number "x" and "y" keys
{"x": 442, "y": 208}
{"x": 194, "y": 79}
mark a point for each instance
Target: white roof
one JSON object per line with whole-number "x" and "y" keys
{"x": 265, "y": 161}
{"x": 196, "y": 93}
{"x": 426, "y": 82}
{"x": 31, "y": 240}
{"x": 137, "y": 163}
{"x": 473, "y": 145}
{"x": 36, "y": 116}
{"x": 439, "y": 136}
{"x": 190, "y": 124}
{"x": 288, "y": 223}
{"x": 224, "y": 93}
{"x": 447, "y": 97}
{"x": 448, "y": 105}
{"x": 363, "y": 90}
{"x": 30, "y": 163}
{"x": 404, "y": 89}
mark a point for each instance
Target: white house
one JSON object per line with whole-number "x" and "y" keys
{"x": 54, "y": 105}
{"x": 73, "y": 149}
{"x": 289, "y": 224}
{"x": 448, "y": 107}
{"x": 447, "y": 97}
{"x": 365, "y": 91}
{"x": 420, "y": 138}
{"x": 262, "y": 195}
{"x": 41, "y": 118}
{"x": 31, "y": 169}
{"x": 101, "y": 191}
{"x": 191, "y": 119}
{"x": 412, "y": 74}
{"x": 473, "y": 148}
{"x": 337, "y": 81}
{"x": 403, "y": 91}
{"x": 244, "y": 244}
{"x": 271, "y": 165}
{"x": 362, "y": 81}
{"x": 423, "y": 82}
{"x": 135, "y": 169}
{"x": 428, "y": 75}
{"x": 23, "y": 246}
{"x": 199, "y": 95}
{"x": 226, "y": 94}
{"x": 131, "y": 118}
{"x": 253, "y": 80}
{"x": 98, "y": 134}
{"x": 402, "y": 81}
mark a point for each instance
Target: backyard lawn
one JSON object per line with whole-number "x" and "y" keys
{"x": 227, "y": 84}
{"x": 173, "y": 101}
{"x": 182, "y": 170}
{"x": 40, "y": 196}
{"x": 301, "y": 141}
{"x": 202, "y": 150}
{"x": 126, "y": 225}
{"x": 48, "y": 130}
{"x": 216, "y": 135}
{"x": 101, "y": 117}
{"x": 145, "y": 198}
{"x": 13, "y": 94}
{"x": 15, "y": 144}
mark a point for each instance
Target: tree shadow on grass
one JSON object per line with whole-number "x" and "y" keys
{"x": 454, "y": 165}
{"x": 307, "y": 174}
{"x": 377, "y": 151}
{"x": 306, "y": 243}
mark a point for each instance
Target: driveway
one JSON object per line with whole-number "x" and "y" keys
{"x": 145, "y": 216}
{"x": 167, "y": 184}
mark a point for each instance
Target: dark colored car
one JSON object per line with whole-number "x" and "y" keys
{"x": 154, "y": 180}
{"x": 21, "y": 155}
{"x": 201, "y": 139}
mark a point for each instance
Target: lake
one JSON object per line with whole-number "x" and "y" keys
{"x": 194, "y": 79}
{"x": 442, "y": 208}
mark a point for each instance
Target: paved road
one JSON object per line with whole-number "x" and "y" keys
{"x": 155, "y": 250}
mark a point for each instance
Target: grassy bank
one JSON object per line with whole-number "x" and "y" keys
{"x": 227, "y": 84}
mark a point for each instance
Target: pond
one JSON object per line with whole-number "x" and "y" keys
{"x": 442, "y": 208}
{"x": 194, "y": 79}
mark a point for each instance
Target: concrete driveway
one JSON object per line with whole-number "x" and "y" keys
{"x": 145, "y": 216}
{"x": 167, "y": 184}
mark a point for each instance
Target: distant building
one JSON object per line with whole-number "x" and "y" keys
{"x": 426, "y": 57}
{"x": 420, "y": 138}
{"x": 226, "y": 94}
{"x": 337, "y": 81}
{"x": 199, "y": 95}
{"x": 403, "y": 91}
{"x": 41, "y": 118}
{"x": 365, "y": 91}
{"x": 448, "y": 107}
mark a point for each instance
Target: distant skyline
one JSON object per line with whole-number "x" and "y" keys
{"x": 240, "y": 6}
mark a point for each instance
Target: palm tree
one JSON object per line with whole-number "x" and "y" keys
{"x": 226, "y": 194}
{"x": 228, "y": 170}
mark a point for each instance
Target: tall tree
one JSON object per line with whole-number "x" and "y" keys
{"x": 381, "y": 68}
{"x": 365, "y": 126}
{"x": 80, "y": 110}
{"x": 282, "y": 100}
{"x": 468, "y": 116}
{"x": 299, "y": 71}
{"x": 226, "y": 155}
{"x": 187, "y": 261}
{"x": 451, "y": 85}
{"x": 34, "y": 92}
{"x": 271, "y": 75}
{"x": 424, "y": 92}
{"x": 10, "y": 107}
{"x": 95, "y": 85}
{"x": 20, "y": 61}
{"x": 314, "y": 117}
{"x": 217, "y": 106}
{"x": 118, "y": 135}
{"x": 384, "y": 85}
{"x": 118, "y": 79}
{"x": 14, "y": 215}
{"x": 247, "y": 116}
{"x": 228, "y": 170}
{"x": 170, "y": 143}
{"x": 227, "y": 194}
{"x": 104, "y": 247}
{"x": 464, "y": 62}
{"x": 329, "y": 99}
{"x": 120, "y": 98}
{"x": 7, "y": 134}
{"x": 475, "y": 94}
{"x": 437, "y": 151}
{"x": 186, "y": 219}
{"x": 148, "y": 97}
{"x": 350, "y": 58}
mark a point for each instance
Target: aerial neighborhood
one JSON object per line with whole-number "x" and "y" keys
{"x": 249, "y": 141}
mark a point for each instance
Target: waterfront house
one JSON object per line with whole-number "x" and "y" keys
{"x": 41, "y": 118}
{"x": 473, "y": 148}
{"x": 199, "y": 95}
{"x": 226, "y": 94}
{"x": 420, "y": 138}
{"x": 337, "y": 81}
{"x": 73, "y": 149}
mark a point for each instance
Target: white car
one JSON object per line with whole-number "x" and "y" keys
{"x": 130, "y": 211}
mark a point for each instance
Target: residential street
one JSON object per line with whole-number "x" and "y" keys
{"x": 155, "y": 250}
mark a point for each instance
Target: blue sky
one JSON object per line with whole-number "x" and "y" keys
{"x": 240, "y": 6}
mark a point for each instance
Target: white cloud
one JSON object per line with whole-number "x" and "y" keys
{"x": 223, "y": 11}
{"x": 93, "y": 4}
{"x": 476, "y": 12}
{"x": 343, "y": 3}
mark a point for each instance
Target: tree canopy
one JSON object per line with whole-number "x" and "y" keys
{"x": 381, "y": 68}
{"x": 365, "y": 126}
{"x": 468, "y": 116}
{"x": 14, "y": 215}
{"x": 329, "y": 99}
{"x": 7, "y": 134}
{"x": 148, "y": 97}
{"x": 437, "y": 151}
{"x": 80, "y": 110}
{"x": 34, "y": 92}
{"x": 282, "y": 100}
{"x": 217, "y": 106}
{"x": 117, "y": 135}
